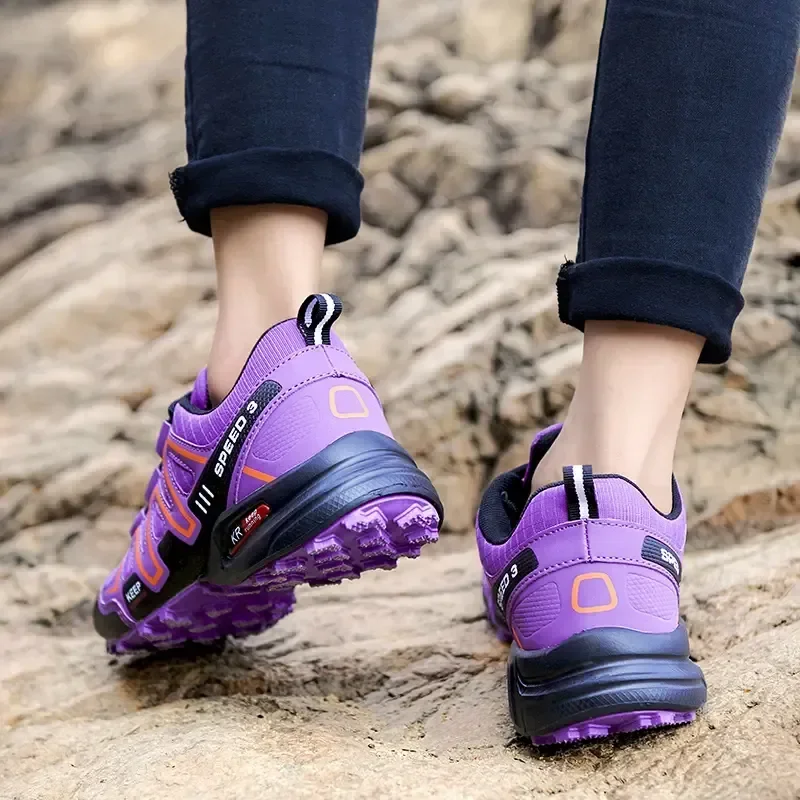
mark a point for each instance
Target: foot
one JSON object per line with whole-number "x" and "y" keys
{"x": 293, "y": 478}
{"x": 584, "y": 578}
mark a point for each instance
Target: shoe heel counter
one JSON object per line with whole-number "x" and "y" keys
{"x": 609, "y": 585}
{"x": 312, "y": 415}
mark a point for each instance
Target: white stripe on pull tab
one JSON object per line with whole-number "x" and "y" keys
{"x": 580, "y": 490}
{"x": 330, "y": 307}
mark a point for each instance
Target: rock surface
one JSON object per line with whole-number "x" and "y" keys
{"x": 391, "y": 686}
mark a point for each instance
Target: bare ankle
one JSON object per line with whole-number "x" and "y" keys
{"x": 654, "y": 479}
{"x": 625, "y": 416}
{"x": 268, "y": 261}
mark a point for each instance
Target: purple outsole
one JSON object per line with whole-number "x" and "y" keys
{"x": 612, "y": 724}
{"x": 373, "y": 536}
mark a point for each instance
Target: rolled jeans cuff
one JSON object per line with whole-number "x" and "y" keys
{"x": 262, "y": 175}
{"x": 656, "y": 292}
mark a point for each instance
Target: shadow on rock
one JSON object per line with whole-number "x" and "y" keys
{"x": 225, "y": 669}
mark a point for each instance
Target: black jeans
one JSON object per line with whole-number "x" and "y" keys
{"x": 689, "y": 103}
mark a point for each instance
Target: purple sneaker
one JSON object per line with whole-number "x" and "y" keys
{"x": 584, "y": 578}
{"x": 293, "y": 478}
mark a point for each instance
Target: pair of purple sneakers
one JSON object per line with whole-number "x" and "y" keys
{"x": 295, "y": 478}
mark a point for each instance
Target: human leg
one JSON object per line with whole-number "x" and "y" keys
{"x": 268, "y": 260}
{"x": 582, "y": 546}
{"x": 276, "y": 95}
{"x": 689, "y": 103}
{"x": 279, "y": 467}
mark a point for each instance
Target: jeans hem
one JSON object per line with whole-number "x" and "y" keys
{"x": 652, "y": 291}
{"x": 271, "y": 175}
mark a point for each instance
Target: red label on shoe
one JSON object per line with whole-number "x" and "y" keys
{"x": 254, "y": 518}
{"x": 247, "y": 525}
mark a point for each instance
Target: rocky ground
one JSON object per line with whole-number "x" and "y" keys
{"x": 391, "y": 686}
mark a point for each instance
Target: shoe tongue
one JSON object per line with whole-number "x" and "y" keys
{"x": 540, "y": 445}
{"x": 199, "y": 396}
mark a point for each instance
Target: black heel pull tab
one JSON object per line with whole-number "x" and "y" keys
{"x": 316, "y": 317}
{"x": 581, "y": 497}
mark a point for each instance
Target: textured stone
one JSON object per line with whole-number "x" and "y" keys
{"x": 387, "y": 203}
{"x": 569, "y": 30}
{"x": 551, "y": 190}
{"x": 449, "y": 164}
{"x": 392, "y": 95}
{"x": 496, "y": 30}
{"x": 389, "y": 681}
{"x": 759, "y": 331}
{"x": 456, "y": 95}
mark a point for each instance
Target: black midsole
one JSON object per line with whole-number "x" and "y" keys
{"x": 599, "y": 672}
{"x": 355, "y": 469}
